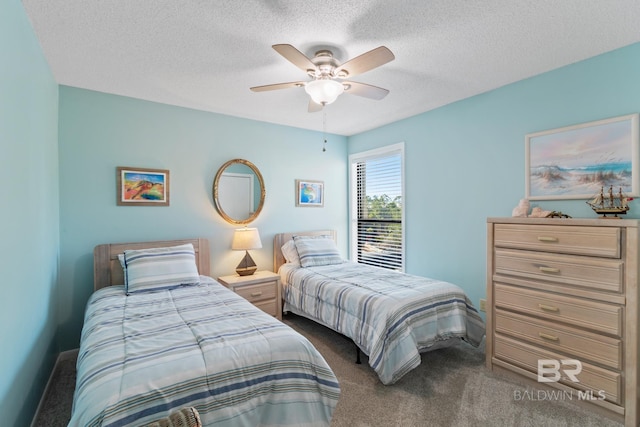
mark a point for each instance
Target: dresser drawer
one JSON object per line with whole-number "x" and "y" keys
{"x": 591, "y": 377}
{"x": 597, "y": 316}
{"x": 581, "y": 345}
{"x": 259, "y": 292}
{"x": 577, "y": 240}
{"x": 586, "y": 272}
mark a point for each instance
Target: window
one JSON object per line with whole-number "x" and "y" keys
{"x": 376, "y": 194}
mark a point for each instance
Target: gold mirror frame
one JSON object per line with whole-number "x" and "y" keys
{"x": 216, "y": 183}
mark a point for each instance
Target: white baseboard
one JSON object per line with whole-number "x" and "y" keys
{"x": 65, "y": 355}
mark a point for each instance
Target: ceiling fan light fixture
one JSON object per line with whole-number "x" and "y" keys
{"x": 324, "y": 91}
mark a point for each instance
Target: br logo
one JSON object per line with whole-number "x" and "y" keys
{"x": 549, "y": 370}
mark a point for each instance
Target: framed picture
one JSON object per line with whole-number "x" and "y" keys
{"x": 142, "y": 187}
{"x": 309, "y": 193}
{"x": 577, "y": 162}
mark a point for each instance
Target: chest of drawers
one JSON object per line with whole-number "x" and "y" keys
{"x": 562, "y": 307}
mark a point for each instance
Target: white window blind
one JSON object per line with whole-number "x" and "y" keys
{"x": 377, "y": 207}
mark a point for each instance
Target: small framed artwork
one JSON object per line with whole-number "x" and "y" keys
{"x": 309, "y": 193}
{"x": 142, "y": 187}
{"x": 578, "y": 162}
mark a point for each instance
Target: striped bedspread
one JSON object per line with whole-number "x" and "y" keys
{"x": 145, "y": 355}
{"x": 391, "y": 316}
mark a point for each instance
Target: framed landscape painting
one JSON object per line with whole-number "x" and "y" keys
{"x": 142, "y": 187}
{"x": 577, "y": 162}
{"x": 309, "y": 193}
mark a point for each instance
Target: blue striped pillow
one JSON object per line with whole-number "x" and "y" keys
{"x": 160, "y": 268}
{"x": 316, "y": 251}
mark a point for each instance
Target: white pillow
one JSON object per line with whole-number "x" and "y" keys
{"x": 160, "y": 268}
{"x": 290, "y": 253}
{"x": 315, "y": 251}
{"x": 124, "y": 268}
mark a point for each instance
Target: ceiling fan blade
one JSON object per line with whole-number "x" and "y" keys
{"x": 362, "y": 89}
{"x": 313, "y": 107}
{"x": 277, "y": 86}
{"x": 294, "y": 56}
{"x": 365, "y": 62}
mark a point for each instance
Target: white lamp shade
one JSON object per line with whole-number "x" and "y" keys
{"x": 324, "y": 91}
{"x": 245, "y": 239}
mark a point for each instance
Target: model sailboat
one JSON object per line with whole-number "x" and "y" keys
{"x": 613, "y": 204}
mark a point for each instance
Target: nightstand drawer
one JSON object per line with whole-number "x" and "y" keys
{"x": 269, "y": 307}
{"x": 262, "y": 289}
{"x": 581, "y": 345}
{"x": 260, "y": 292}
{"x": 578, "y": 240}
{"x": 593, "y": 315}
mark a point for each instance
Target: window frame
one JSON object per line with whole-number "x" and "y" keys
{"x": 354, "y": 158}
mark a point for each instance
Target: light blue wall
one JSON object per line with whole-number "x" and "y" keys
{"x": 465, "y": 162}
{"x": 28, "y": 217}
{"x": 99, "y": 132}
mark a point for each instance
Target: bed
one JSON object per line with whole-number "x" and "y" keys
{"x": 391, "y": 317}
{"x": 150, "y": 348}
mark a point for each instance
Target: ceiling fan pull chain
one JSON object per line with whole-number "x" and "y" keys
{"x": 324, "y": 130}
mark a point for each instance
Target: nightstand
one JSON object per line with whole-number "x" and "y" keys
{"x": 261, "y": 289}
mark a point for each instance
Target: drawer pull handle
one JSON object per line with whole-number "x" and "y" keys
{"x": 548, "y": 307}
{"x": 547, "y": 239}
{"x": 547, "y": 336}
{"x": 549, "y": 270}
{"x": 256, "y": 294}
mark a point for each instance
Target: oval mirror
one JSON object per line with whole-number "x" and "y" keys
{"x": 238, "y": 191}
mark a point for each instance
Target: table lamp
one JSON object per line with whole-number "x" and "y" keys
{"x": 243, "y": 240}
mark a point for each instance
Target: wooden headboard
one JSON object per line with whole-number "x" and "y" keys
{"x": 282, "y": 238}
{"x": 107, "y": 270}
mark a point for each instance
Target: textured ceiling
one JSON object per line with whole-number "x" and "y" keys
{"x": 205, "y": 54}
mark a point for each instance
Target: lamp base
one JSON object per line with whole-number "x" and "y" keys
{"x": 247, "y": 266}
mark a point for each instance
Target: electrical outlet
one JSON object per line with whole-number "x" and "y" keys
{"x": 483, "y": 304}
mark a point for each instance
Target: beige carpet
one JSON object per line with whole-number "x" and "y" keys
{"x": 58, "y": 400}
{"x": 450, "y": 388}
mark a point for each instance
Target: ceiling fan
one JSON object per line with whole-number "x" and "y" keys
{"x": 329, "y": 75}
